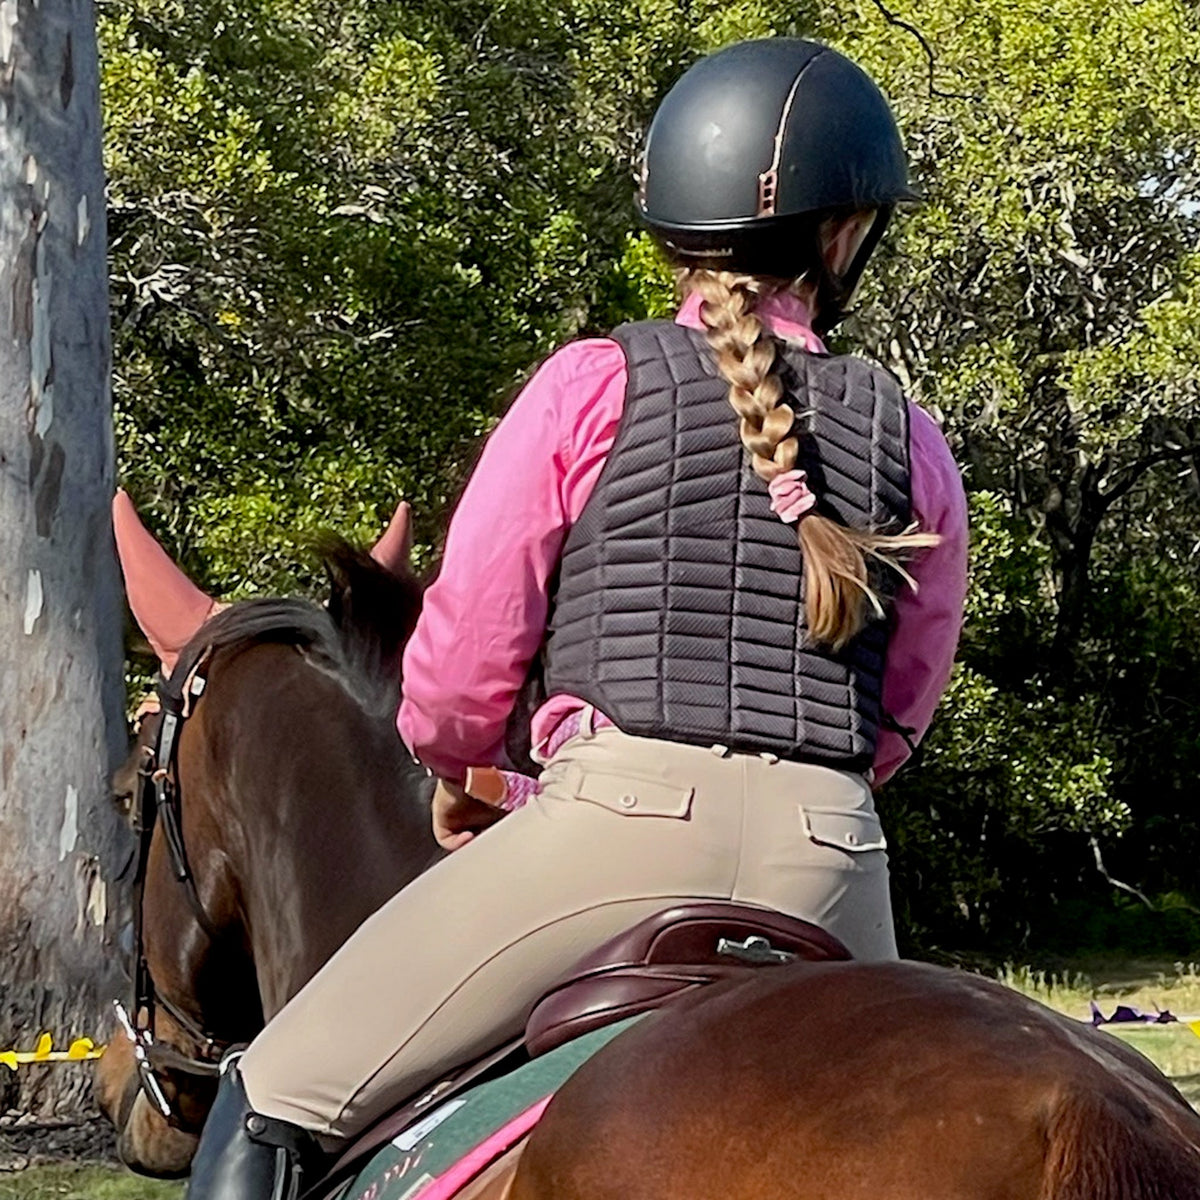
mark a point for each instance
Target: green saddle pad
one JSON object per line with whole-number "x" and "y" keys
{"x": 417, "y": 1161}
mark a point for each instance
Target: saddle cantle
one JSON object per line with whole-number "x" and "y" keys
{"x": 667, "y": 955}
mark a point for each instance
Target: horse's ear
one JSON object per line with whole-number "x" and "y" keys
{"x": 393, "y": 551}
{"x": 168, "y": 607}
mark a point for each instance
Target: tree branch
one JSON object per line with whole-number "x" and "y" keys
{"x": 892, "y": 19}
{"x": 1134, "y": 472}
{"x": 1117, "y": 883}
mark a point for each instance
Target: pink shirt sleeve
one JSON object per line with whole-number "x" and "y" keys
{"x": 484, "y": 618}
{"x": 926, "y": 623}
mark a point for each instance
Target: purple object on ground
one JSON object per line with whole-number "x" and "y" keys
{"x": 1125, "y": 1014}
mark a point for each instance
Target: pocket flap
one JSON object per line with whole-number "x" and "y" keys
{"x": 633, "y": 797}
{"x": 855, "y": 832}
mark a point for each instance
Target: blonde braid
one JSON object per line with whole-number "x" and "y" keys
{"x": 837, "y": 588}
{"x": 746, "y": 357}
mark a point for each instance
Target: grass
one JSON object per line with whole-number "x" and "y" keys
{"x": 1175, "y": 1048}
{"x": 84, "y": 1183}
{"x": 1144, "y": 984}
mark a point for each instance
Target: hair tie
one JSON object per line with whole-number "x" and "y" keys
{"x": 790, "y": 497}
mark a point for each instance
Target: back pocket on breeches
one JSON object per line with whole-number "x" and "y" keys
{"x": 852, "y": 831}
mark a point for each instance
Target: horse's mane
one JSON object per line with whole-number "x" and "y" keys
{"x": 357, "y": 637}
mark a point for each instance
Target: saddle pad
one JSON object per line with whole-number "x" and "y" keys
{"x": 445, "y": 1149}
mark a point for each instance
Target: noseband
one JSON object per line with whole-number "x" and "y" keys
{"x": 157, "y": 801}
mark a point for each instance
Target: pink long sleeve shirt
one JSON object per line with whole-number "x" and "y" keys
{"x": 485, "y": 617}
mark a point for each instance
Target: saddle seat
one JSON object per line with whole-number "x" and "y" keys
{"x": 667, "y": 955}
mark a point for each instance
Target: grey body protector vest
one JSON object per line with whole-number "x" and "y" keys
{"x": 678, "y": 609}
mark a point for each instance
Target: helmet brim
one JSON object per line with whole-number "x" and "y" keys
{"x": 782, "y": 246}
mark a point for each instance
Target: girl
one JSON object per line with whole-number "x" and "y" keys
{"x": 740, "y": 565}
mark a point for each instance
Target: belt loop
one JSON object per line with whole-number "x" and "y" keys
{"x": 587, "y": 718}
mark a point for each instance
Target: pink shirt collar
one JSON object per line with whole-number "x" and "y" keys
{"x": 786, "y": 316}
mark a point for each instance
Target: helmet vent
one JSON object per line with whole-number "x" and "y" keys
{"x": 768, "y": 181}
{"x": 768, "y": 184}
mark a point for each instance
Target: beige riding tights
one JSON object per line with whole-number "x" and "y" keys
{"x": 625, "y": 826}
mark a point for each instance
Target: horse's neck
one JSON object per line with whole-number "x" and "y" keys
{"x": 326, "y": 816}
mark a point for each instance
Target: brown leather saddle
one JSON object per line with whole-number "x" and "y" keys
{"x": 662, "y": 958}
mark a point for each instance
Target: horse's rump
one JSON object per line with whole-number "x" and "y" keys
{"x": 847, "y": 1081}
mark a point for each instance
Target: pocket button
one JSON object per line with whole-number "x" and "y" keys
{"x": 628, "y": 801}
{"x": 852, "y": 839}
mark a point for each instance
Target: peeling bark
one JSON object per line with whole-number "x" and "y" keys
{"x": 61, "y": 843}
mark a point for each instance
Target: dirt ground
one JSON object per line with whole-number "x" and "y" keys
{"x": 25, "y": 1143}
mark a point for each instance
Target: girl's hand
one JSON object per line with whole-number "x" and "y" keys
{"x": 457, "y": 817}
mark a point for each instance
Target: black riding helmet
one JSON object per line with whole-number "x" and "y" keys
{"x": 757, "y": 144}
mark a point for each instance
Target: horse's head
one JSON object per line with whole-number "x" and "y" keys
{"x": 204, "y": 966}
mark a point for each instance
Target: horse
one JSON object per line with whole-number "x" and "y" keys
{"x": 857, "y": 1081}
{"x": 301, "y": 813}
{"x": 801, "y": 1081}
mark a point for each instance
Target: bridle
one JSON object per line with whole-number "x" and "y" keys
{"x": 156, "y": 800}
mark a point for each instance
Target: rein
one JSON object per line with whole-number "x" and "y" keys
{"x": 157, "y": 801}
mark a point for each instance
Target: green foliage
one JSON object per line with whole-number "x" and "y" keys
{"x": 1010, "y": 603}
{"x": 1004, "y": 787}
{"x": 343, "y": 234}
{"x": 640, "y": 286}
{"x": 1043, "y": 301}
{"x": 1014, "y": 774}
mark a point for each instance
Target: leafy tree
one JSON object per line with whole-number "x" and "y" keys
{"x": 342, "y": 234}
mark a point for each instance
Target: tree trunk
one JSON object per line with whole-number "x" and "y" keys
{"x": 1074, "y": 508}
{"x": 61, "y": 843}
{"x": 1073, "y": 569}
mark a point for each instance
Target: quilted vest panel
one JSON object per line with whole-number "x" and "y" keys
{"x": 678, "y": 609}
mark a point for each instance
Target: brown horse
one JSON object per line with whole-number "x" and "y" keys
{"x": 301, "y": 814}
{"x": 846, "y": 1081}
